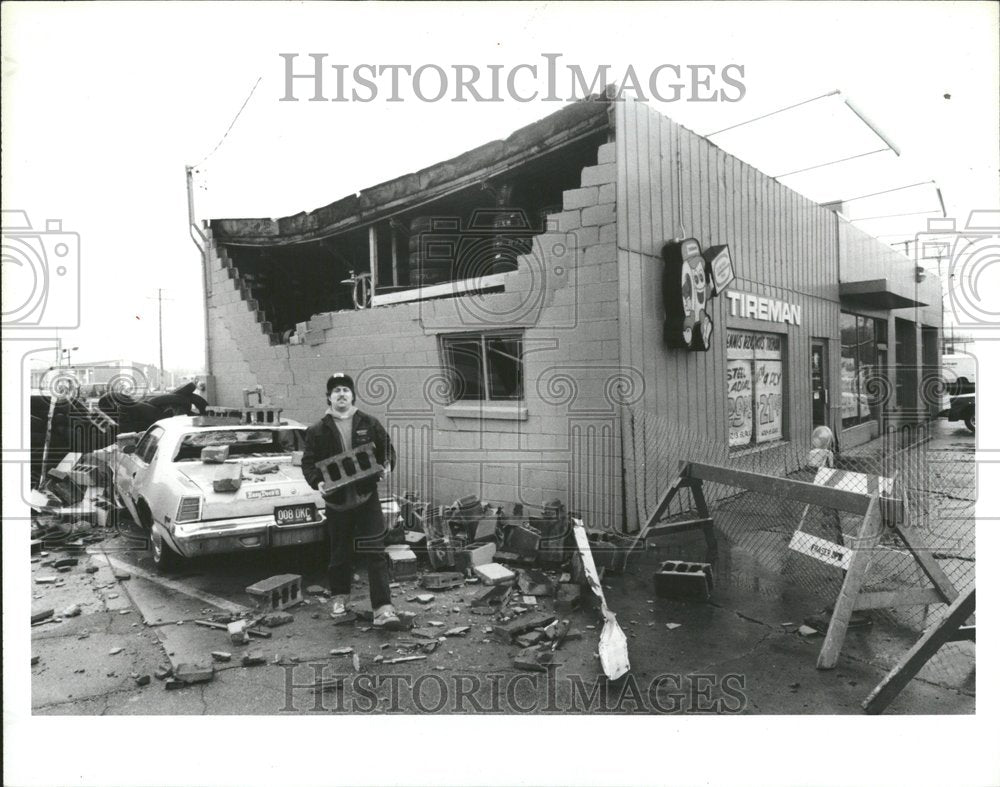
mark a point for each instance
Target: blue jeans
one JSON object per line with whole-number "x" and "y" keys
{"x": 358, "y": 533}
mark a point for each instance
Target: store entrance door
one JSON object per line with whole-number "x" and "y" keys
{"x": 820, "y": 384}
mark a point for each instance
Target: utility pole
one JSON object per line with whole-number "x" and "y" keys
{"x": 159, "y": 300}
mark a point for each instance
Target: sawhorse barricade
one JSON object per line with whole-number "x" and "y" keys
{"x": 950, "y": 628}
{"x": 856, "y": 560}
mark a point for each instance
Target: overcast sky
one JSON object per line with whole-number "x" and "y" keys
{"x": 105, "y": 104}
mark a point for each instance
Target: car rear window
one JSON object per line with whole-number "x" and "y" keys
{"x": 242, "y": 442}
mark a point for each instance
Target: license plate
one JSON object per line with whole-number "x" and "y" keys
{"x": 295, "y": 515}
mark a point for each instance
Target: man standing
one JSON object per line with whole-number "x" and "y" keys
{"x": 353, "y": 513}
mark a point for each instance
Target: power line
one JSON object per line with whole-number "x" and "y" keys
{"x": 240, "y": 112}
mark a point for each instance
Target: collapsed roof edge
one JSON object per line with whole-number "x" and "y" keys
{"x": 569, "y": 124}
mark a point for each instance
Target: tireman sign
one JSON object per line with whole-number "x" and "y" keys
{"x": 691, "y": 278}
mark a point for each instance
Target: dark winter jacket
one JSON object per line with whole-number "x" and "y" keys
{"x": 323, "y": 441}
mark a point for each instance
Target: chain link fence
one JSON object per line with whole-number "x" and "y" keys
{"x": 933, "y": 487}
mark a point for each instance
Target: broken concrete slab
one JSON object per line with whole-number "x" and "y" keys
{"x": 275, "y": 619}
{"x": 71, "y": 611}
{"x": 221, "y": 655}
{"x": 191, "y": 672}
{"x": 38, "y": 615}
{"x": 530, "y": 638}
{"x": 507, "y": 632}
{"x": 535, "y": 660}
{"x": 254, "y": 658}
{"x": 142, "y": 680}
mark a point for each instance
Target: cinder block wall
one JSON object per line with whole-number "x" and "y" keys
{"x": 564, "y": 295}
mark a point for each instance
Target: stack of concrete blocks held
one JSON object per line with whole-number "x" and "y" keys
{"x": 277, "y": 592}
{"x": 677, "y": 579}
{"x": 349, "y": 467}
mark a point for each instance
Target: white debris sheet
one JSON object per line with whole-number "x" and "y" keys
{"x": 613, "y": 647}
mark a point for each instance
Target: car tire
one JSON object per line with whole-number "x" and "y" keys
{"x": 970, "y": 423}
{"x": 164, "y": 557}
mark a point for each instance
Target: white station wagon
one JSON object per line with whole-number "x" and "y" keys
{"x": 205, "y": 485}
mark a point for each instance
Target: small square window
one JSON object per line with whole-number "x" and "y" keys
{"x": 484, "y": 368}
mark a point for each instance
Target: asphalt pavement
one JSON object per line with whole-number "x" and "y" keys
{"x": 734, "y": 653}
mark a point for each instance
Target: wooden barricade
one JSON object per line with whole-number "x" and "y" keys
{"x": 855, "y": 560}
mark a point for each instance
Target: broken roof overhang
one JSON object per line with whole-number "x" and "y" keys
{"x": 570, "y": 124}
{"x": 875, "y": 294}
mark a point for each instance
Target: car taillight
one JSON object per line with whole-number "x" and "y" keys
{"x": 189, "y": 509}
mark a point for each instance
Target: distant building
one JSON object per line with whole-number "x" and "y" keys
{"x": 95, "y": 377}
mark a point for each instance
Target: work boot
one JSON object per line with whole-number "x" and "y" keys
{"x": 386, "y": 618}
{"x": 338, "y": 606}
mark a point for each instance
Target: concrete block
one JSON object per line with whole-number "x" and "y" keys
{"x": 677, "y": 579}
{"x": 474, "y": 556}
{"x": 349, "y": 467}
{"x": 489, "y": 597}
{"x": 221, "y": 655}
{"x": 442, "y": 580}
{"x": 215, "y": 454}
{"x": 598, "y": 214}
{"x": 600, "y": 253}
{"x": 607, "y": 193}
{"x": 598, "y": 175}
{"x": 228, "y": 477}
{"x": 277, "y": 592}
{"x": 579, "y": 198}
{"x": 402, "y": 562}
{"x": 606, "y": 153}
{"x": 564, "y": 221}
{"x": 494, "y": 574}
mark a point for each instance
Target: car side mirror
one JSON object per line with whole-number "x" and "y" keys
{"x": 129, "y": 449}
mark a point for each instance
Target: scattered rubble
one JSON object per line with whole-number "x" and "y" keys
{"x": 254, "y": 658}
{"x": 194, "y": 673}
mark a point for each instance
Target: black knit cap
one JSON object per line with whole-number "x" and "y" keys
{"x": 340, "y": 378}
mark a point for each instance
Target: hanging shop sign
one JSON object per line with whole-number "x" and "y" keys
{"x": 757, "y": 307}
{"x": 691, "y": 278}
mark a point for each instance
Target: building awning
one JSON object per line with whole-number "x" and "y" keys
{"x": 876, "y": 294}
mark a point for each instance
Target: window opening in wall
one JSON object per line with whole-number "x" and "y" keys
{"x": 487, "y": 368}
{"x": 755, "y": 388}
{"x": 863, "y": 355}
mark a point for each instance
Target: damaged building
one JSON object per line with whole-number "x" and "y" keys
{"x": 512, "y": 316}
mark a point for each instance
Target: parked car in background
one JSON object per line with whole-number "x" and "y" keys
{"x": 205, "y": 485}
{"x": 962, "y": 408}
